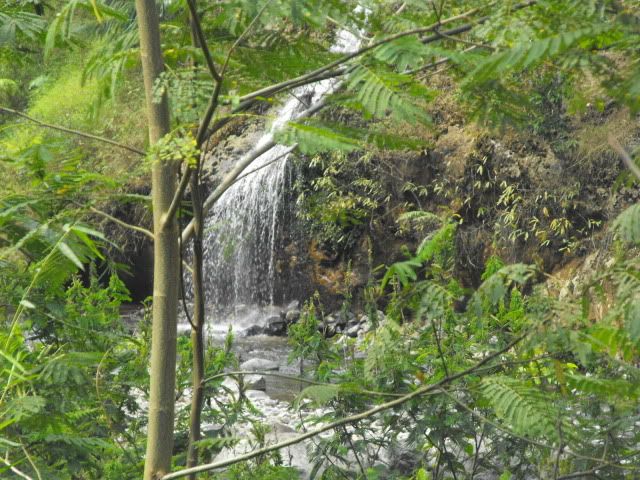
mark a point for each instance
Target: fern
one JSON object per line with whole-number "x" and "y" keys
{"x": 604, "y": 387}
{"x": 525, "y": 409}
{"x": 404, "y": 53}
{"x": 14, "y": 23}
{"x": 312, "y": 139}
{"x": 627, "y": 225}
{"x": 382, "y": 93}
{"x": 526, "y": 55}
{"x": 318, "y": 394}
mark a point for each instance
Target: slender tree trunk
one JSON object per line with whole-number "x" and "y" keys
{"x": 166, "y": 258}
{"x": 197, "y": 330}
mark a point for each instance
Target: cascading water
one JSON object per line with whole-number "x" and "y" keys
{"x": 242, "y": 230}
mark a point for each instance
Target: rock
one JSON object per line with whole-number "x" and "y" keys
{"x": 254, "y": 330}
{"x": 276, "y": 326}
{"x": 255, "y": 382}
{"x": 295, "y": 305}
{"x": 257, "y": 364}
{"x": 353, "y": 331}
{"x": 292, "y": 316}
{"x": 256, "y": 395}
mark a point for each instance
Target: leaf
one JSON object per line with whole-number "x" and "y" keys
{"x": 627, "y": 225}
{"x": 67, "y": 252}
{"x": 27, "y": 304}
{"x": 319, "y": 394}
{"x": 383, "y": 93}
{"x": 313, "y": 139}
{"x": 525, "y": 409}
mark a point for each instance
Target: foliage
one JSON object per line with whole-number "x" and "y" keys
{"x": 560, "y": 401}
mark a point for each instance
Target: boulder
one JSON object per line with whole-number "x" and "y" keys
{"x": 276, "y": 326}
{"x": 292, "y": 316}
{"x": 254, "y": 330}
{"x": 353, "y": 331}
{"x": 255, "y": 382}
{"x": 257, "y": 364}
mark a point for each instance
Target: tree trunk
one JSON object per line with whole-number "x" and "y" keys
{"x": 166, "y": 258}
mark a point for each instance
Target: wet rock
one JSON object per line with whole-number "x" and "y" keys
{"x": 254, "y": 395}
{"x": 292, "y": 316}
{"x": 353, "y": 331}
{"x": 254, "y": 330}
{"x": 276, "y": 326}
{"x": 257, "y": 364}
{"x": 295, "y": 305}
{"x": 255, "y": 382}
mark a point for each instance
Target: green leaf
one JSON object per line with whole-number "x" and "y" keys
{"x": 67, "y": 252}
{"x": 319, "y": 394}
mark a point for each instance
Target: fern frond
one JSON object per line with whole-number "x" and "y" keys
{"x": 318, "y": 394}
{"x": 382, "y": 93}
{"x": 528, "y": 54}
{"x": 525, "y": 409}
{"x": 627, "y": 224}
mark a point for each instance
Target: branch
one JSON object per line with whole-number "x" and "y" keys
{"x": 297, "y": 379}
{"x": 15, "y": 470}
{"x": 232, "y": 176}
{"x": 213, "y": 103}
{"x": 427, "y": 389}
{"x": 315, "y": 74}
{"x": 626, "y": 158}
{"x": 69, "y": 130}
{"x": 177, "y": 197}
{"x": 466, "y": 42}
{"x": 197, "y": 27}
{"x": 144, "y": 231}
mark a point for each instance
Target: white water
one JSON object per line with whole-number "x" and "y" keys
{"x": 243, "y": 232}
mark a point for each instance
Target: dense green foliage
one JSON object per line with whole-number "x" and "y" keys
{"x": 525, "y": 384}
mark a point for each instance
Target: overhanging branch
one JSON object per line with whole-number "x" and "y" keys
{"x": 425, "y": 390}
{"x": 70, "y": 130}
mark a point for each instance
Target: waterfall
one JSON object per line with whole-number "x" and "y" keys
{"x": 243, "y": 229}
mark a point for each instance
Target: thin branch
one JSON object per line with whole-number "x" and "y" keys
{"x": 427, "y": 389}
{"x": 197, "y": 27}
{"x": 14, "y": 469}
{"x": 626, "y": 158}
{"x": 466, "y": 42}
{"x": 530, "y": 441}
{"x": 297, "y": 379}
{"x": 277, "y": 159}
{"x": 33, "y": 465}
{"x": 69, "y": 130}
{"x": 213, "y": 103}
{"x": 311, "y": 76}
{"x": 237, "y": 170}
{"x": 177, "y": 197}
{"x": 144, "y": 231}
{"x": 244, "y": 35}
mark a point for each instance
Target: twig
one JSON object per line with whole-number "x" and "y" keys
{"x": 626, "y": 158}
{"x": 466, "y": 42}
{"x": 70, "y": 130}
{"x": 14, "y": 469}
{"x": 297, "y": 379}
{"x": 604, "y": 463}
{"x": 311, "y": 76}
{"x": 136, "y": 228}
{"x": 33, "y": 465}
{"x": 435, "y": 387}
{"x": 197, "y": 27}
